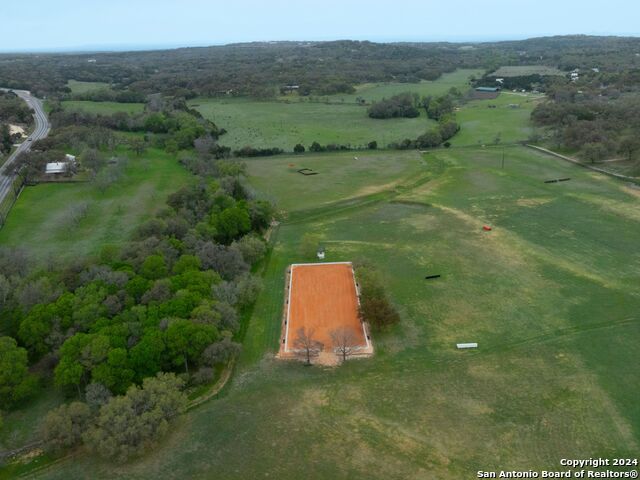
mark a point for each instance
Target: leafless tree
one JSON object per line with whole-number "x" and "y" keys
{"x": 344, "y": 342}
{"x": 306, "y": 345}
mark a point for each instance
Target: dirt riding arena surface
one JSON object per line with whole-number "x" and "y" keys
{"x": 322, "y": 297}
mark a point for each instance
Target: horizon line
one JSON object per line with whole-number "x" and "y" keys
{"x": 139, "y": 47}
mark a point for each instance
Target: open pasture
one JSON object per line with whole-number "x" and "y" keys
{"x": 373, "y": 92}
{"x": 264, "y": 124}
{"x": 328, "y": 119}
{"x": 501, "y": 120}
{"x": 550, "y": 295}
{"x": 340, "y": 176}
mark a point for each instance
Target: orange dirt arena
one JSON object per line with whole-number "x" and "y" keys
{"x": 322, "y": 297}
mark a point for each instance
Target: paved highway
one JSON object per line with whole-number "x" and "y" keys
{"x": 41, "y": 130}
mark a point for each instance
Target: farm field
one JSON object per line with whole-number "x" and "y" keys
{"x": 551, "y": 296}
{"x": 340, "y": 176}
{"x": 103, "y": 108}
{"x": 334, "y": 119}
{"x": 42, "y": 220}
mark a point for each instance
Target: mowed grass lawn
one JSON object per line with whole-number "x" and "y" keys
{"x": 332, "y": 119}
{"x": 103, "y": 108}
{"x": 551, "y": 296}
{"x": 41, "y": 220}
{"x": 339, "y": 176}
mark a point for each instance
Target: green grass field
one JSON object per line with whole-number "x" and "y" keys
{"x": 104, "y": 108}
{"x": 550, "y": 295}
{"x": 283, "y": 125}
{"x": 522, "y": 70}
{"x": 372, "y": 92}
{"x": 22, "y": 426}
{"x": 340, "y": 120}
{"x": 84, "y": 87}
{"x": 340, "y": 176}
{"x": 41, "y": 219}
{"x": 481, "y": 125}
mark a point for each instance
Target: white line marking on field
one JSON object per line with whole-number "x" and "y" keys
{"x": 286, "y": 334}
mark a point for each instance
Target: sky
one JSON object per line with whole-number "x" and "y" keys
{"x": 49, "y": 25}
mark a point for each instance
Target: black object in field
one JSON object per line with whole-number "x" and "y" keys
{"x": 556, "y": 180}
{"x": 430, "y": 277}
{"x": 307, "y": 171}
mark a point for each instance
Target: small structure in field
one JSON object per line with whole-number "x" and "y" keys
{"x": 463, "y": 346}
{"x": 289, "y": 89}
{"x": 487, "y": 89}
{"x": 321, "y": 253}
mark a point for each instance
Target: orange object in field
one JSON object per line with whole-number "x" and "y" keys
{"x": 487, "y": 228}
{"x": 322, "y": 297}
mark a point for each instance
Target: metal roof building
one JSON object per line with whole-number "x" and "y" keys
{"x": 56, "y": 167}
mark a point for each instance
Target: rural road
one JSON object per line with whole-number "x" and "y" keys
{"x": 40, "y": 131}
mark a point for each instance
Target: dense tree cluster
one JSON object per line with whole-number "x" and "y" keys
{"x": 13, "y": 110}
{"x": 440, "y": 107}
{"x": 108, "y": 330}
{"x": 398, "y": 106}
{"x": 375, "y": 306}
{"x": 170, "y": 123}
{"x": 595, "y": 119}
{"x": 16, "y": 383}
{"x": 119, "y": 427}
